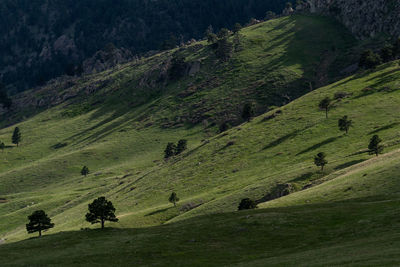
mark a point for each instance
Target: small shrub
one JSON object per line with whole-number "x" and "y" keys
{"x": 247, "y": 204}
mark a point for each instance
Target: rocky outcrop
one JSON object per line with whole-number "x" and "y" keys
{"x": 106, "y": 59}
{"x": 365, "y": 18}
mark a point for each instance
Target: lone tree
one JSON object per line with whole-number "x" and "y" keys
{"x": 170, "y": 150}
{"x": 320, "y": 160}
{"x": 85, "y": 171}
{"x": 248, "y": 111}
{"x": 2, "y": 146}
{"x": 374, "y": 145}
{"x": 247, "y": 204}
{"x": 369, "y": 59}
{"x": 38, "y": 222}
{"x": 325, "y": 104}
{"x": 182, "y": 145}
{"x": 173, "y": 198}
{"x": 236, "y": 28}
{"x": 345, "y": 124}
{"x": 224, "y": 127}
{"x": 16, "y": 137}
{"x": 101, "y": 210}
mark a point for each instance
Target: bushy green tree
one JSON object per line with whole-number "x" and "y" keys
{"x": 236, "y": 28}
{"x": 170, "y": 150}
{"x": 224, "y": 127}
{"x": 248, "y": 111}
{"x": 270, "y": 15}
{"x": 178, "y": 66}
{"x": 369, "y": 59}
{"x": 320, "y": 160}
{"x": 85, "y": 171}
{"x": 223, "y": 33}
{"x": 247, "y": 204}
{"x": 101, "y": 210}
{"x": 38, "y": 222}
{"x": 173, "y": 198}
{"x": 182, "y": 146}
{"x": 223, "y": 49}
{"x": 345, "y": 124}
{"x": 387, "y": 53}
{"x": 325, "y": 104}
{"x": 16, "y": 137}
{"x": 375, "y": 146}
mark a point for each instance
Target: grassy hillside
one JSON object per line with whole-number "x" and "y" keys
{"x": 121, "y": 130}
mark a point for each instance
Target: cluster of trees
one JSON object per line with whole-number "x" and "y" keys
{"x": 369, "y": 59}
{"x": 173, "y": 150}
{"x": 137, "y": 25}
{"x": 344, "y": 125}
{"x": 99, "y": 211}
{"x": 15, "y": 138}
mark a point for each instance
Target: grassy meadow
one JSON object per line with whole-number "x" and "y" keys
{"x": 345, "y": 215}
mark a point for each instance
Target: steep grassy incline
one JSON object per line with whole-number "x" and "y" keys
{"x": 345, "y": 215}
{"x": 119, "y": 122}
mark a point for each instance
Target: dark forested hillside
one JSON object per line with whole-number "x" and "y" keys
{"x": 42, "y": 39}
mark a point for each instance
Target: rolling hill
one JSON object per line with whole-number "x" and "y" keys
{"x": 118, "y": 123}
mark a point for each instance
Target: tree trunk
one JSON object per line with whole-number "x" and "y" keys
{"x": 174, "y": 204}
{"x": 102, "y": 223}
{"x": 40, "y": 232}
{"x": 322, "y": 168}
{"x": 326, "y": 112}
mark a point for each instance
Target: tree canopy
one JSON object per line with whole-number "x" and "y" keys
{"x": 101, "y": 210}
{"x": 38, "y": 222}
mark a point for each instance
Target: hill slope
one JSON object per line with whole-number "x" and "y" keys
{"x": 356, "y": 228}
{"x": 40, "y": 40}
{"x": 125, "y": 122}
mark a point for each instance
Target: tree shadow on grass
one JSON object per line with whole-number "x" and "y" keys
{"x": 348, "y": 164}
{"x": 386, "y": 127}
{"x": 281, "y": 140}
{"x": 157, "y": 211}
{"x": 325, "y": 142}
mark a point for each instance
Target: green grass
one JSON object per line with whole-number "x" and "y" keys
{"x": 121, "y": 130}
{"x": 342, "y": 234}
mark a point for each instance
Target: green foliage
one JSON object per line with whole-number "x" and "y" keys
{"x": 325, "y": 104}
{"x": 178, "y": 67}
{"x": 137, "y": 25}
{"x": 101, "y": 210}
{"x": 270, "y": 15}
{"x": 236, "y": 28}
{"x": 170, "y": 150}
{"x": 223, "y": 33}
{"x": 224, "y": 127}
{"x": 248, "y": 111}
{"x": 173, "y": 198}
{"x": 182, "y": 146}
{"x": 85, "y": 171}
{"x": 345, "y": 124}
{"x": 224, "y": 49}
{"x": 369, "y": 59}
{"x": 375, "y": 146}
{"x": 320, "y": 160}
{"x": 16, "y": 137}
{"x": 247, "y": 204}
{"x": 387, "y": 53}
{"x": 38, "y": 222}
